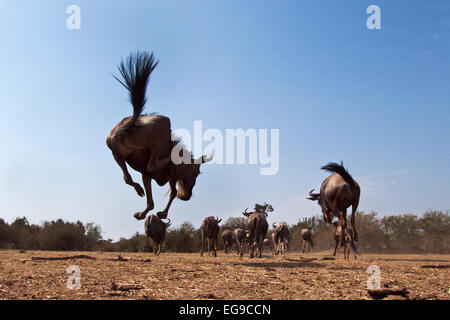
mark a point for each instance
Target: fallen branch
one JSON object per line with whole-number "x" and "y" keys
{"x": 383, "y": 293}
{"x": 439, "y": 266}
{"x": 125, "y": 286}
{"x": 120, "y": 258}
{"x": 328, "y": 258}
{"x": 79, "y": 256}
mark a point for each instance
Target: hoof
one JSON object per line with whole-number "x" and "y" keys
{"x": 139, "y": 190}
{"x": 139, "y": 216}
{"x": 162, "y": 215}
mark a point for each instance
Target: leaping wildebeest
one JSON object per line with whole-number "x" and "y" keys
{"x": 155, "y": 229}
{"x": 145, "y": 142}
{"x": 240, "y": 237}
{"x": 280, "y": 238}
{"x": 257, "y": 229}
{"x": 338, "y": 192}
{"x": 227, "y": 239}
{"x": 210, "y": 231}
{"x": 307, "y": 242}
{"x": 348, "y": 238}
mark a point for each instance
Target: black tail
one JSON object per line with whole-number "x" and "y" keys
{"x": 313, "y": 196}
{"x": 339, "y": 168}
{"x": 136, "y": 74}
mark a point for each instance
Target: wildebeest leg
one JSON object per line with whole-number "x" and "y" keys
{"x": 148, "y": 190}
{"x": 209, "y": 246}
{"x": 201, "y": 251}
{"x": 335, "y": 248}
{"x": 252, "y": 248}
{"x": 126, "y": 175}
{"x": 338, "y": 214}
{"x": 327, "y": 214}
{"x": 173, "y": 194}
{"x": 215, "y": 247}
{"x": 352, "y": 220}
{"x": 159, "y": 249}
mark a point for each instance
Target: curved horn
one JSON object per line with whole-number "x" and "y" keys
{"x": 245, "y": 213}
{"x": 207, "y": 158}
{"x": 218, "y": 220}
{"x": 313, "y": 196}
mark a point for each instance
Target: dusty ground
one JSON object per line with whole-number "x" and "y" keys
{"x": 188, "y": 276}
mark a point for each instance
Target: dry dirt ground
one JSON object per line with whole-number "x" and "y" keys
{"x": 189, "y": 276}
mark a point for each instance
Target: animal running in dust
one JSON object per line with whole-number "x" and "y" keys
{"x": 145, "y": 142}
{"x": 338, "y": 192}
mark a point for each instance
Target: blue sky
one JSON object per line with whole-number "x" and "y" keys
{"x": 377, "y": 99}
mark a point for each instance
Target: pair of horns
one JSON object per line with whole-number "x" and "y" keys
{"x": 203, "y": 159}
{"x": 167, "y": 223}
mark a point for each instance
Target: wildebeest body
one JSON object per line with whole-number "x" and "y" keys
{"x": 155, "y": 229}
{"x": 227, "y": 238}
{"x": 257, "y": 229}
{"x": 210, "y": 231}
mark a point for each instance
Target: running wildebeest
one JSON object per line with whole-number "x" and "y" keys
{"x": 257, "y": 229}
{"x": 227, "y": 238}
{"x": 280, "y": 238}
{"x": 348, "y": 238}
{"x": 155, "y": 229}
{"x": 307, "y": 242}
{"x": 210, "y": 231}
{"x": 273, "y": 243}
{"x": 145, "y": 142}
{"x": 338, "y": 192}
{"x": 240, "y": 237}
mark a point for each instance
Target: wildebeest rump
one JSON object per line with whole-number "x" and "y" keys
{"x": 240, "y": 237}
{"x": 257, "y": 229}
{"x": 210, "y": 231}
{"x": 338, "y": 192}
{"x": 281, "y": 238}
{"x": 145, "y": 141}
{"x": 155, "y": 229}
{"x": 227, "y": 239}
{"x": 307, "y": 241}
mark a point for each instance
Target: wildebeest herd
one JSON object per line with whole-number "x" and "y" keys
{"x": 145, "y": 143}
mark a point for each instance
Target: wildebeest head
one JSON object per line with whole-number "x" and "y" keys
{"x": 187, "y": 176}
